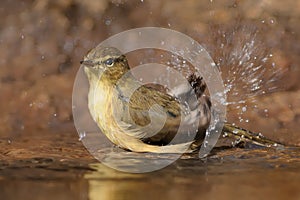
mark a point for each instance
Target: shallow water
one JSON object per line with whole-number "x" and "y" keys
{"x": 228, "y": 173}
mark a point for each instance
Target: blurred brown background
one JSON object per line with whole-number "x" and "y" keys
{"x": 42, "y": 42}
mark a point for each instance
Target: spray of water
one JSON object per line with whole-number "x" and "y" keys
{"x": 247, "y": 65}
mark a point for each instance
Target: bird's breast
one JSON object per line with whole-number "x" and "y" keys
{"x": 100, "y": 103}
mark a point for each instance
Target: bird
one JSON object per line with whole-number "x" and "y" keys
{"x": 147, "y": 119}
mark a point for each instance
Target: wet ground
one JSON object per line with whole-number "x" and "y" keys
{"x": 68, "y": 172}
{"x": 41, "y": 44}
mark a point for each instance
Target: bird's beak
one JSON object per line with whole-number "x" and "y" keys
{"x": 87, "y": 63}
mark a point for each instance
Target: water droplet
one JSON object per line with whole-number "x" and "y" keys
{"x": 244, "y": 109}
{"x": 205, "y": 143}
{"x": 264, "y": 59}
{"x": 225, "y": 135}
{"x": 82, "y": 135}
{"x": 273, "y": 64}
{"x": 108, "y": 22}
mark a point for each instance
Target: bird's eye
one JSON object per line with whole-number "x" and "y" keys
{"x": 109, "y": 62}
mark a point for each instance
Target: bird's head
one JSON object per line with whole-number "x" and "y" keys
{"x": 106, "y": 63}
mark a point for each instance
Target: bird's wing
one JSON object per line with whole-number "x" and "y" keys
{"x": 147, "y": 112}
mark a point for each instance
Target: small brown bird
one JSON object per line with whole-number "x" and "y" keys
{"x": 147, "y": 119}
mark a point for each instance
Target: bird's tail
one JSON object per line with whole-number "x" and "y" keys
{"x": 241, "y": 135}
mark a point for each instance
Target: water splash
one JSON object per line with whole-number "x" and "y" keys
{"x": 247, "y": 65}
